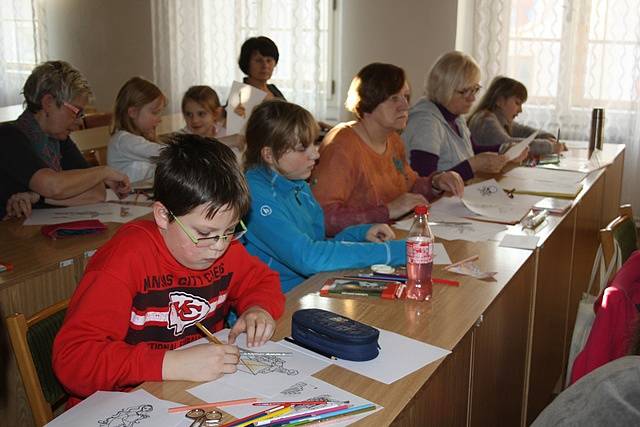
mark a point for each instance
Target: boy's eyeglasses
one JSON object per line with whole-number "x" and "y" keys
{"x": 79, "y": 112}
{"x": 469, "y": 91}
{"x": 203, "y": 242}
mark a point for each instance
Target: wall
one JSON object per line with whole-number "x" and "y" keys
{"x": 108, "y": 41}
{"x": 408, "y": 33}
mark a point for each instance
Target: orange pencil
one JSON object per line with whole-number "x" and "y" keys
{"x": 246, "y": 401}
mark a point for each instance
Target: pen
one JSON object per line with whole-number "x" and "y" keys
{"x": 455, "y": 264}
{"x": 213, "y": 405}
{"x": 320, "y": 352}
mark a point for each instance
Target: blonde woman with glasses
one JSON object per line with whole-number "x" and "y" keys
{"x": 437, "y": 137}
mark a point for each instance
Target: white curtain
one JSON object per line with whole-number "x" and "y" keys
{"x": 23, "y": 44}
{"x": 198, "y": 42}
{"x": 573, "y": 56}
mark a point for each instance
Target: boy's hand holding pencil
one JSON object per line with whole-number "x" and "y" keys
{"x": 203, "y": 362}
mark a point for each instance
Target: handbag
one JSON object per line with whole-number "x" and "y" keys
{"x": 330, "y": 333}
{"x": 586, "y": 314}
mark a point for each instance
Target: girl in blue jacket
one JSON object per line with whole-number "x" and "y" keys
{"x": 285, "y": 223}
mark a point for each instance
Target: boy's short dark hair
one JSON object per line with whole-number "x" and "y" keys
{"x": 262, "y": 44}
{"x": 192, "y": 170}
{"x": 279, "y": 125}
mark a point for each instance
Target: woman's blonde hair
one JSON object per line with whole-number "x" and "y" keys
{"x": 136, "y": 92}
{"x": 452, "y": 71}
{"x": 279, "y": 125}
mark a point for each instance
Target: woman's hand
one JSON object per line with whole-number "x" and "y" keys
{"x": 19, "y": 204}
{"x": 240, "y": 110}
{"x": 450, "y": 182}
{"x": 257, "y": 323}
{"x": 205, "y": 362}
{"x": 488, "y": 162}
{"x": 117, "y": 181}
{"x": 380, "y": 233}
{"x": 401, "y": 205}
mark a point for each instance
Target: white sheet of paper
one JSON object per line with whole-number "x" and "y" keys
{"x": 305, "y": 389}
{"x": 103, "y": 408}
{"x": 440, "y": 255}
{"x": 249, "y": 96}
{"x": 131, "y": 198}
{"x": 542, "y": 174}
{"x": 399, "y": 356}
{"x": 517, "y": 149}
{"x": 268, "y": 375}
{"x": 520, "y": 241}
{"x": 470, "y": 268}
{"x": 105, "y": 212}
{"x": 466, "y": 229}
{"x": 487, "y": 200}
{"x": 580, "y": 164}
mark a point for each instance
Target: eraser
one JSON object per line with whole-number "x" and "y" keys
{"x": 382, "y": 269}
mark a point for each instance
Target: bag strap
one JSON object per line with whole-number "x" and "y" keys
{"x": 597, "y": 262}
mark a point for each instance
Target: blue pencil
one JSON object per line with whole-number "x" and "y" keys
{"x": 344, "y": 412}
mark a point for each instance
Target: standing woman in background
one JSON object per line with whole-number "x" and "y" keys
{"x": 258, "y": 57}
{"x": 493, "y": 120}
{"x": 363, "y": 176}
{"x": 38, "y": 160}
{"x": 437, "y": 136}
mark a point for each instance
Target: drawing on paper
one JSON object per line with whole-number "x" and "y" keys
{"x": 257, "y": 364}
{"x": 297, "y": 388}
{"x": 127, "y": 417}
{"x": 487, "y": 190}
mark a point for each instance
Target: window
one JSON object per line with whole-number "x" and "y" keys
{"x": 21, "y": 46}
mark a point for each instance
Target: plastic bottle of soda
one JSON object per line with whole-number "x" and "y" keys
{"x": 420, "y": 256}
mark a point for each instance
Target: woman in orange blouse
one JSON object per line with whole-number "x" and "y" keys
{"x": 363, "y": 175}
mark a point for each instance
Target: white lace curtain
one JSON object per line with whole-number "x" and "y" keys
{"x": 573, "y": 55}
{"x": 22, "y": 45}
{"x": 198, "y": 42}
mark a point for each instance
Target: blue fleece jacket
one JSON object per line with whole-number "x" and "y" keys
{"x": 286, "y": 231}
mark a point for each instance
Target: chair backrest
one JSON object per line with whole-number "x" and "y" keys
{"x": 93, "y": 120}
{"x": 623, "y": 230}
{"x": 32, "y": 342}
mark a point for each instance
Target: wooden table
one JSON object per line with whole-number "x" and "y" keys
{"x": 509, "y": 338}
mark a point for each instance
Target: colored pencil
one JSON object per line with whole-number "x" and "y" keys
{"x": 302, "y": 402}
{"x": 455, "y": 264}
{"x": 399, "y": 279}
{"x": 338, "y": 414}
{"x": 258, "y": 416}
{"x": 214, "y": 405}
{"x": 283, "y": 421}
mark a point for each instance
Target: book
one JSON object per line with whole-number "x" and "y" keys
{"x": 553, "y": 205}
{"x": 361, "y": 287}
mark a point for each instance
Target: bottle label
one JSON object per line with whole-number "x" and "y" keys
{"x": 419, "y": 251}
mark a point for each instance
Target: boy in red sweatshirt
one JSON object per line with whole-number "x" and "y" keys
{"x": 143, "y": 291}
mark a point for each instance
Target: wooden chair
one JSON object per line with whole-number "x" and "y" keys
{"x": 94, "y": 120}
{"x": 622, "y": 230}
{"x": 32, "y": 342}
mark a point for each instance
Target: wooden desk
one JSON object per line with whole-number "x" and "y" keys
{"x": 509, "y": 337}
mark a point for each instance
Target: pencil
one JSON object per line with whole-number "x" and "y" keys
{"x": 212, "y": 338}
{"x": 214, "y": 405}
{"x": 455, "y": 264}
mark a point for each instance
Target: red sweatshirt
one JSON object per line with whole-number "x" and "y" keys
{"x": 135, "y": 302}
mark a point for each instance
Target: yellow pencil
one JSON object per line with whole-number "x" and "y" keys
{"x": 212, "y": 338}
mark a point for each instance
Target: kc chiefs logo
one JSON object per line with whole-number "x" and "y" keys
{"x": 185, "y": 310}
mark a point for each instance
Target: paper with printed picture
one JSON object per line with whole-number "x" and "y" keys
{"x": 309, "y": 388}
{"x": 488, "y": 201}
{"x": 243, "y": 98}
{"x": 266, "y": 375}
{"x": 517, "y": 149}
{"x": 116, "y": 409}
{"x": 104, "y": 212}
{"x": 457, "y": 228}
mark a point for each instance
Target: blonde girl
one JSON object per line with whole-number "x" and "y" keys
{"x": 202, "y": 112}
{"x": 133, "y": 144}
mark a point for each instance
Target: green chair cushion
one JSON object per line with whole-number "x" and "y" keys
{"x": 625, "y": 235}
{"x": 40, "y": 339}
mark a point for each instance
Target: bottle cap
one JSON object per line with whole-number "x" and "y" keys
{"x": 421, "y": 209}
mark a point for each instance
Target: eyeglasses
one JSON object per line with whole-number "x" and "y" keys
{"x": 469, "y": 91}
{"x": 79, "y": 112}
{"x": 203, "y": 242}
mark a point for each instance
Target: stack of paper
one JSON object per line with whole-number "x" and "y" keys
{"x": 543, "y": 182}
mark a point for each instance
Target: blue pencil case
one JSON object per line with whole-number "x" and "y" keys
{"x": 331, "y": 333}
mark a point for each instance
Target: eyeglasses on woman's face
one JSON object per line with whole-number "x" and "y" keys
{"x": 203, "y": 242}
{"x": 78, "y": 112}
{"x": 469, "y": 91}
